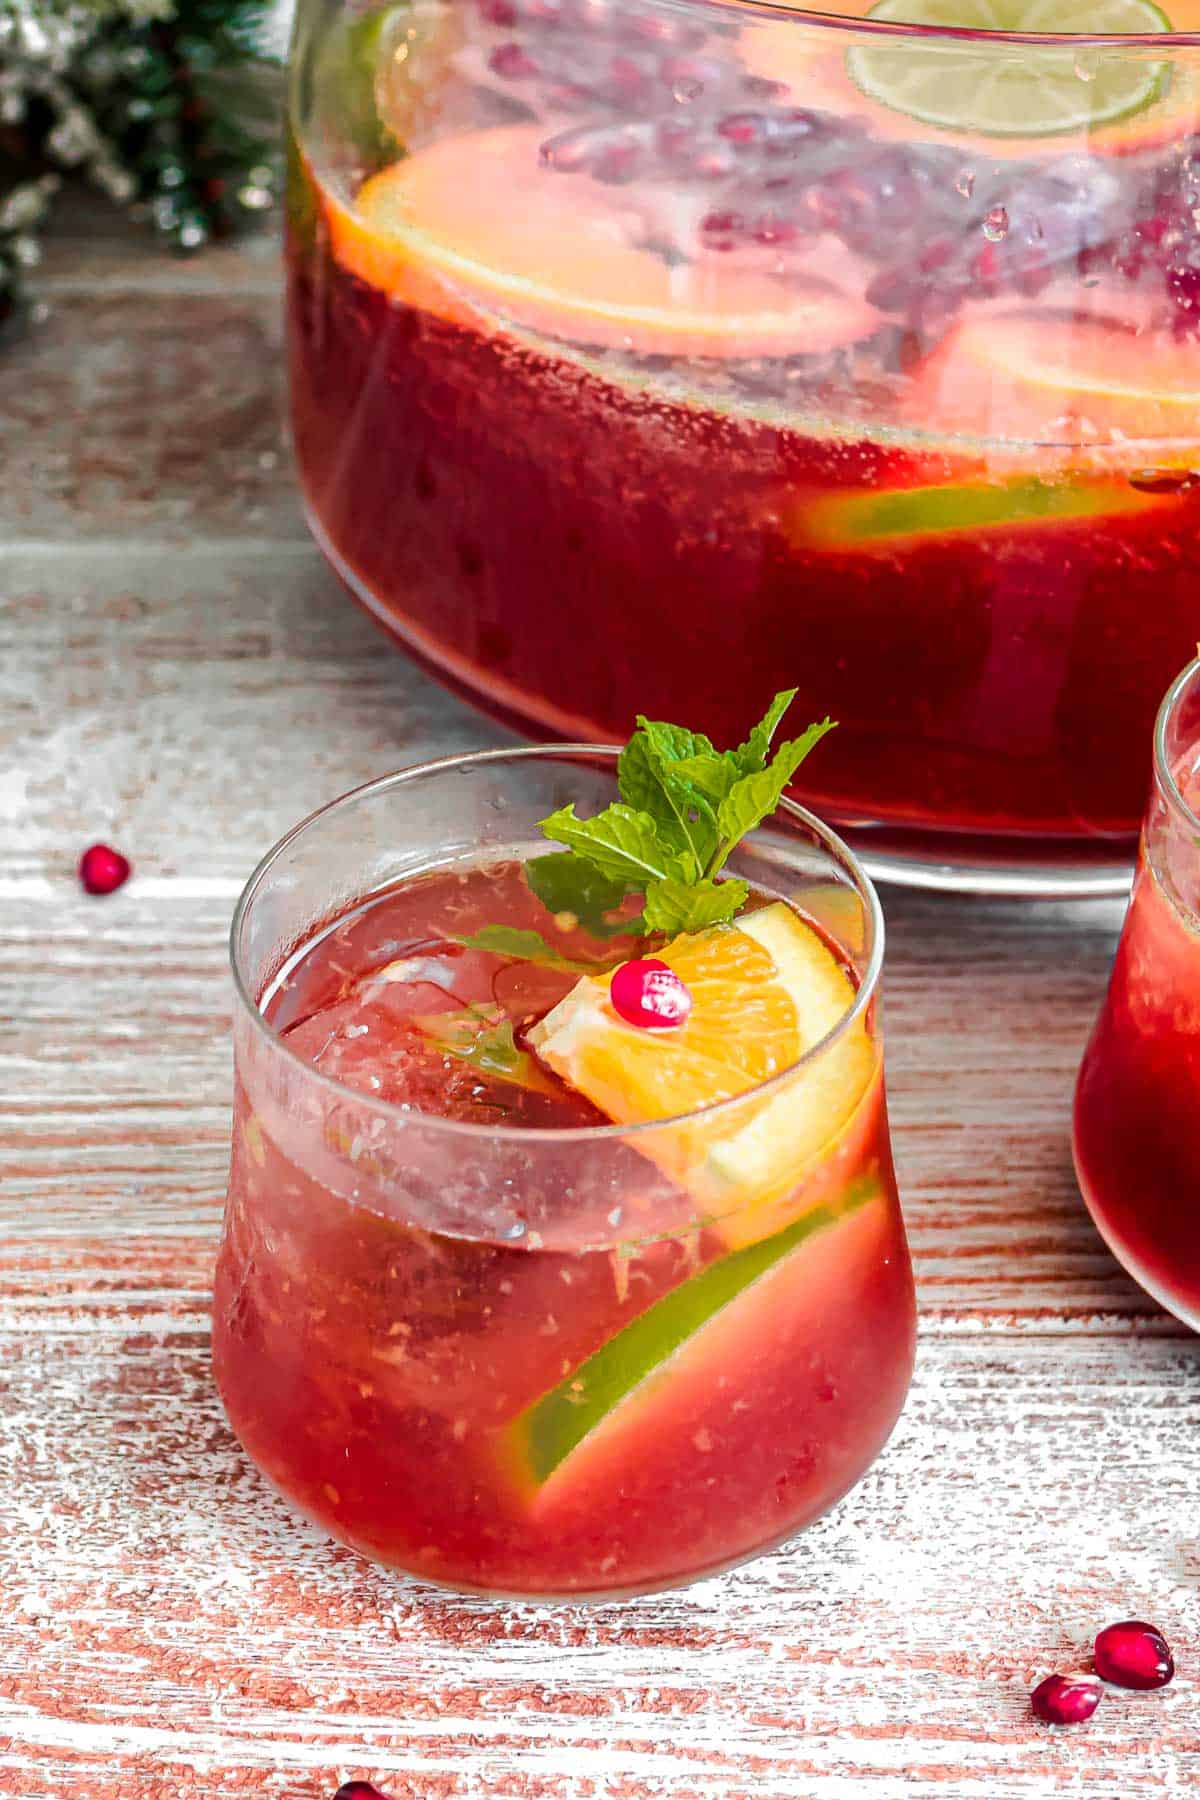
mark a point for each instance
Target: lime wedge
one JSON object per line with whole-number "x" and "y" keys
{"x": 539, "y": 1441}
{"x": 864, "y": 521}
{"x": 1025, "y": 91}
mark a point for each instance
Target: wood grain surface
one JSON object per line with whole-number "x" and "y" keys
{"x": 179, "y": 673}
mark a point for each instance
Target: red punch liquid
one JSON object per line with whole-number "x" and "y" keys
{"x": 1138, "y": 1101}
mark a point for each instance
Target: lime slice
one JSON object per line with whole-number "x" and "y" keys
{"x": 864, "y": 521}
{"x": 638, "y": 1360}
{"x": 1025, "y": 91}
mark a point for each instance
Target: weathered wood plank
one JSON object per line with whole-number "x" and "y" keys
{"x": 169, "y": 1624}
{"x": 160, "y": 415}
{"x": 193, "y": 703}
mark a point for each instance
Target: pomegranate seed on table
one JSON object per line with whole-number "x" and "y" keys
{"x": 648, "y": 993}
{"x": 102, "y": 870}
{"x": 359, "y": 1790}
{"x": 1066, "y": 1699}
{"x": 1132, "y": 1654}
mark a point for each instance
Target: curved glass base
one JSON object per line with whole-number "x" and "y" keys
{"x": 1055, "y": 870}
{"x": 1133, "y": 1266}
{"x": 937, "y": 861}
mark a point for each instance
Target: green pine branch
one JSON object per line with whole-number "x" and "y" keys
{"x": 169, "y": 106}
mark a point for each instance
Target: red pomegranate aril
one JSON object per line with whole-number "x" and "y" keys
{"x": 512, "y": 63}
{"x": 774, "y": 231}
{"x": 1133, "y": 1654}
{"x": 722, "y": 230}
{"x": 102, "y": 870}
{"x": 647, "y": 993}
{"x": 1066, "y": 1699}
{"x": 743, "y": 128}
{"x": 360, "y": 1790}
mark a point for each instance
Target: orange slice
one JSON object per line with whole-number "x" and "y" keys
{"x": 1051, "y": 377}
{"x": 476, "y": 225}
{"x": 764, "y": 992}
{"x": 813, "y": 63}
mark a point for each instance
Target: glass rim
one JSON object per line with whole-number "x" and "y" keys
{"x": 970, "y": 34}
{"x": 472, "y": 1131}
{"x": 1165, "y": 774}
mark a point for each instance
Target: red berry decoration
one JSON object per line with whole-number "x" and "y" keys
{"x": 102, "y": 870}
{"x": 359, "y": 1790}
{"x": 1066, "y": 1699}
{"x": 648, "y": 993}
{"x": 1132, "y": 1654}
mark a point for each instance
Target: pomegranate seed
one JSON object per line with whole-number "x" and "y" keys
{"x": 774, "y": 231}
{"x": 761, "y": 87}
{"x": 102, "y": 870}
{"x": 722, "y": 230}
{"x": 1183, "y": 285}
{"x": 1133, "y": 1654}
{"x": 512, "y": 63}
{"x": 648, "y": 993}
{"x": 359, "y": 1790}
{"x": 743, "y": 127}
{"x": 1066, "y": 1699}
{"x": 499, "y": 12}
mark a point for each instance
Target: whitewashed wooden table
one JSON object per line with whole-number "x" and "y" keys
{"x": 179, "y": 674}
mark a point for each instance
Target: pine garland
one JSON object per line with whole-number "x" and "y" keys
{"x": 169, "y": 106}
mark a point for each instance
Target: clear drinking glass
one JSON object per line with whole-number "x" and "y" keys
{"x": 545, "y": 1360}
{"x": 1137, "y": 1105}
{"x": 645, "y": 353}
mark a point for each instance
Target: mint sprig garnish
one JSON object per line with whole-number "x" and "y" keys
{"x": 684, "y": 808}
{"x": 520, "y": 945}
{"x": 564, "y": 885}
{"x": 484, "y": 1038}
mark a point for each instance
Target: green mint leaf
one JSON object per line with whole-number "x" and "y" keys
{"x": 751, "y": 799}
{"x": 485, "y": 1040}
{"x": 712, "y": 775}
{"x": 564, "y": 882}
{"x": 683, "y": 810}
{"x": 751, "y": 756}
{"x": 671, "y": 743}
{"x": 675, "y": 906}
{"x": 524, "y": 946}
{"x": 684, "y": 807}
{"x": 620, "y": 842}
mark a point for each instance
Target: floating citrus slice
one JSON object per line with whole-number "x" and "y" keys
{"x": 684, "y": 1345}
{"x": 1015, "y": 101}
{"x": 764, "y": 991}
{"x": 476, "y": 225}
{"x": 1061, "y": 379}
{"x": 882, "y": 519}
{"x": 1026, "y": 92}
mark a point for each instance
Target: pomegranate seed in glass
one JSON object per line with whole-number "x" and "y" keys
{"x": 465, "y": 1321}
{"x": 1137, "y": 1102}
{"x": 643, "y": 351}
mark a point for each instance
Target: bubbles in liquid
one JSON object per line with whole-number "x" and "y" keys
{"x": 995, "y": 225}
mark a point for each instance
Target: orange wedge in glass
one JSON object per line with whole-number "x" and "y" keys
{"x": 765, "y": 991}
